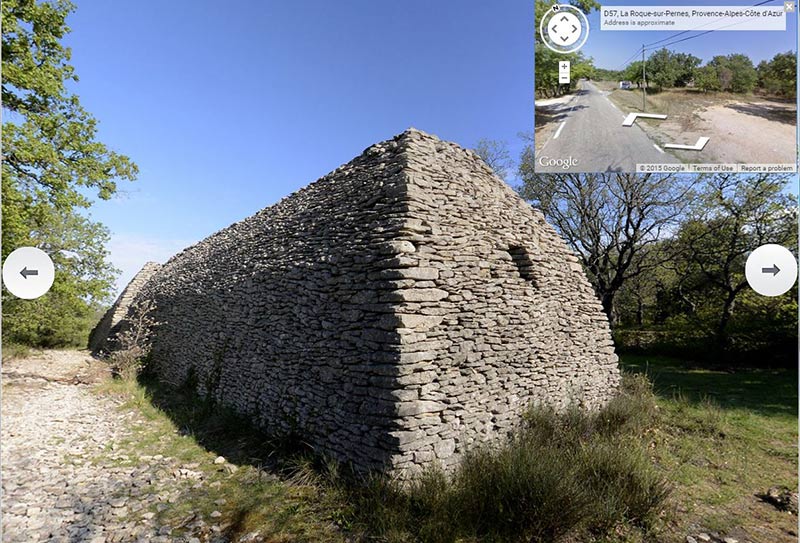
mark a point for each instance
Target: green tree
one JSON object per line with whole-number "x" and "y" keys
{"x": 637, "y": 303}
{"x": 779, "y": 76}
{"x": 666, "y": 69}
{"x": 604, "y": 74}
{"x": 735, "y": 73}
{"x": 685, "y": 67}
{"x": 706, "y": 79}
{"x": 546, "y": 76}
{"x": 763, "y": 74}
{"x": 732, "y": 216}
{"x": 547, "y": 70}
{"x": 745, "y": 77}
{"x": 52, "y": 164}
{"x": 662, "y": 70}
{"x": 634, "y": 73}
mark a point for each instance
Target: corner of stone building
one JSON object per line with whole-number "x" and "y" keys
{"x": 439, "y": 176}
{"x": 411, "y": 279}
{"x": 101, "y": 338}
{"x": 417, "y": 277}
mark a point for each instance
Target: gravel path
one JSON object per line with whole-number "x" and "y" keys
{"x": 61, "y": 473}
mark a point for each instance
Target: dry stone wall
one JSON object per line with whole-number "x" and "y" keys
{"x": 502, "y": 317}
{"x": 393, "y": 313}
{"x": 101, "y": 338}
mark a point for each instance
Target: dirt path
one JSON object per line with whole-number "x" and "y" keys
{"x": 62, "y": 478}
{"x": 743, "y": 129}
{"x": 750, "y": 133}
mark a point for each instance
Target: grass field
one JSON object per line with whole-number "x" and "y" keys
{"x": 720, "y": 439}
{"x": 723, "y": 439}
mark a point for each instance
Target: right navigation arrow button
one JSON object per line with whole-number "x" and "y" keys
{"x": 771, "y": 270}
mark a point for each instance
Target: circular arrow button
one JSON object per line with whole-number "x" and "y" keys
{"x": 564, "y": 29}
{"x": 771, "y": 270}
{"x": 28, "y": 273}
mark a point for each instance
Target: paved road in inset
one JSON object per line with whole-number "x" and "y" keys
{"x": 590, "y": 131}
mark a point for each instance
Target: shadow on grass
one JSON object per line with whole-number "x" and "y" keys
{"x": 220, "y": 430}
{"x": 560, "y": 473}
{"x": 272, "y": 490}
{"x": 768, "y": 392}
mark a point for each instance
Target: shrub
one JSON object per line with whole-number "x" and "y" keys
{"x": 524, "y": 490}
{"x": 622, "y": 482}
{"x": 132, "y": 344}
{"x": 632, "y": 411}
{"x": 559, "y": 475}
{"x": 15, "y": 350}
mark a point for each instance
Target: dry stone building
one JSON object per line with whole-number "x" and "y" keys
{"x": 392, "y": 313}
{"x": 102, "y": 336}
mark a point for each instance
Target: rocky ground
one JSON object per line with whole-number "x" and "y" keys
{"x": 78, "y": 465}
{"x": 64, "y": 478}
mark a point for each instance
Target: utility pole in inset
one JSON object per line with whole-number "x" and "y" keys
{"x": 644, "y": 82}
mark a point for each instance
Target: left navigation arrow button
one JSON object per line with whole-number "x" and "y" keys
{"x": 26, "y": 272}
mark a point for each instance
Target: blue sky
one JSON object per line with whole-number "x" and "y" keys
{"x": 611, "y": 49}
{"x": 229, "y": 106}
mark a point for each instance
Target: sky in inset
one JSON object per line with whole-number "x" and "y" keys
{"x": 611, "y": 49}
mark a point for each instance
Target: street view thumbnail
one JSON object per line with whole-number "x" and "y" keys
{"x": 711, "y": 97}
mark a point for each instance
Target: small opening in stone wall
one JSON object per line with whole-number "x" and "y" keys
{"x": 522, "y": 261}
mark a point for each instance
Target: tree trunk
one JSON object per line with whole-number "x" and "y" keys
{"x": 607, "y": 299}
{"x": 722, "y": 327}
{"x": 639, "y": 313}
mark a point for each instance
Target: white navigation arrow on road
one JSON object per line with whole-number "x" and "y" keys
{"x": 631, "y": 118}
{"x": 697, "y": 147}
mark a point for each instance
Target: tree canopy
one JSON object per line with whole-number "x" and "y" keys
{"x": 779, "y": 75}
{"x": 729, "y": 73}
{"x": 667, "y": 69}
{"x": 666, "y": 255}
{"x": 53, "y": 165}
